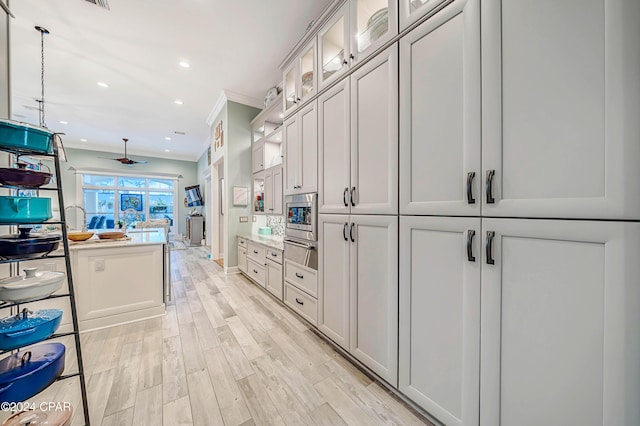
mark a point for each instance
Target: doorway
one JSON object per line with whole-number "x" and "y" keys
{"x": 217, "y": 227}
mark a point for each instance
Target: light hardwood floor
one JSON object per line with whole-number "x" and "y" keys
{"x": 226, "y": 353}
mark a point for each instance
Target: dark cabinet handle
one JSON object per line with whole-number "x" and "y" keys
{"x": 299, "y": 99}
{"x": 345, "y": 62}
{"x": 299, "y": 276}
{"x": 470, "y": 234}
{"x": 344, "y": 231}
{"x": 255, "y": 252}
{"x": 353, "y": 190}
{"x": 351, "y": 233}
{"x": 352, "y": 57}
{"x": 470, "y": 177}
{"x": 274, "y": 254}
{"x": 299, "y": 302}
{"x": 255, "y": 272}
{"x": 490, "y": 175}
{"x": 344, "y": 197}
{"x": 490, "y": 260}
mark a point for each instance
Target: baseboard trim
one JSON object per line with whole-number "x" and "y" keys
{"x": 232, "y": 270}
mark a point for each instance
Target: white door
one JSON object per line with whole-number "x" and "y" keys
{"x": 291, "y": 158}
{"x": 374, "y": 135}
{"x": 373, "y": 23}
{"x": 258, "y": 157}
{"x": 560, "y": 323}
{"x": 307, "y": 72}
{"x": 439, "y": 357}
{"x": 333, "y": 47}
{"x": 308, "y": 155}
{"x": 268, "y": 192}
{"x": 290, "y": 98}
{"x": 333, "y": 277}
{"x": 411, "y": 11}
{"x": 374, "y": 293}
{"x": 274, "y": 278}
{"x": 440, "y": 170}
{"x": 242, "y": 259}
{"x": 277, "y": 192}
{"x": 560, "y": 113}
{"x": 334, "y": 150}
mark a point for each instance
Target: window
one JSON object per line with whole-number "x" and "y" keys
{"x": 131, "y": 199}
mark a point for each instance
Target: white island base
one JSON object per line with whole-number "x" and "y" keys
{"x": 121, "y": 281}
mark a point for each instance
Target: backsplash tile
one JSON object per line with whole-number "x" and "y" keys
{"x": 276, "y": 223}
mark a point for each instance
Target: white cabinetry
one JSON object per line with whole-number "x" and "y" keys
{"x": 274, "y": 278}
{"x": 268, "y": 186}
{"x": 356, "y": 30}
{"x": 300, "y": 79}
{"x": 439, "y": 354}
{"x": 301, "y": 146}
{"x": 242, "y": 258}
{"x": 560, "y": 314}
{"x": 440, "y": 114}
{"x": 560, "y": 130}
{"x": 370, "y": 290}
{"x": 358, "y": 143}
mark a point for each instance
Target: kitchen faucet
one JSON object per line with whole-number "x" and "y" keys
{"x": 130, "y": 210}
{"x": 84, "y": 215}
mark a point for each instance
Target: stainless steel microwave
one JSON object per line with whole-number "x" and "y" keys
{"x": 301, "y": 217}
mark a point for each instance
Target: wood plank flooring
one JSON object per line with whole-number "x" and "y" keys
{"x": 226, "y": 353}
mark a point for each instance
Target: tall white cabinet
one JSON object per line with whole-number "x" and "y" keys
{"x": 301, "y": 151}
{"x": 560, "y": 130}
{"x": 560, "y": 314}
{"x": 440, "y": 315}
{"x": 358, "y": 288}
{"x": 358, "y": 143}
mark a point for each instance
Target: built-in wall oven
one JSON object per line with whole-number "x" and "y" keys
{"x": 301, "y": 229}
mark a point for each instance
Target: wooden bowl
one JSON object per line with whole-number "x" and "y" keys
{"x": 79, "y": 236}
{"x": 114, "y": 235}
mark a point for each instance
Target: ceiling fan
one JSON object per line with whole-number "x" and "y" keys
{"x": 126, "y": 160}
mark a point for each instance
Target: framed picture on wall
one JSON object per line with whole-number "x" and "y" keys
{"x": 218, "y": 136}
{"x": 240, "y": 196}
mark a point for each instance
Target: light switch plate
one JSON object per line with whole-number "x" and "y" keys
{"x": 244, "y": 219}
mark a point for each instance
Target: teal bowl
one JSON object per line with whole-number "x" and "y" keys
{"x": 24, "y": 209}
{"x": 25, "y": 136}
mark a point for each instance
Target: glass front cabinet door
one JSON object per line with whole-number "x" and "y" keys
{"x": 300, "y": 78}
{"x": 373, "y": 23}
{"x": 413, "y": 10}
{"x": 333, "y": 47}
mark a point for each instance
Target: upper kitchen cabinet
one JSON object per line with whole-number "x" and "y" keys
{"x": 267, "y": 137}
{"x": 440, "y": 114}
{"x": 333, "y": 47}
{"x": 373, "y": 23}
{"x": 356, "y": 30}
{"x": 300, "y": 81}
{"x": 560, "y": 126}
{"x": 412, "y": 10}
{"x": 358, "y": 140}
{"x": 301, "y": 151}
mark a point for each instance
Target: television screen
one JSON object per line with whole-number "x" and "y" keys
{"x": 194, "y": 198}
{"x": 131, "y": 201}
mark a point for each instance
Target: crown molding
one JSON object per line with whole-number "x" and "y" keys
{"x": 228, "y": 95}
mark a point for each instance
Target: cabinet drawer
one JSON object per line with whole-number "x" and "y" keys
{"x": 242, "y": 242}
{"x": 256, "y": 272}
{"x": 257, "y": 252}
{"x": 302, "y": 303}
{"x": 302, "y": 277}
{"x": 274, "y": 255}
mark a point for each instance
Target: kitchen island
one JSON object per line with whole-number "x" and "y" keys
{"x": 122, "y": 280}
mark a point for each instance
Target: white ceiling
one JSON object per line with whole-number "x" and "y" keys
{"x": 135, "y": 48}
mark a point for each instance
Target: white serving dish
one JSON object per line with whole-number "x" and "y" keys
{"x": 32, "y": 286}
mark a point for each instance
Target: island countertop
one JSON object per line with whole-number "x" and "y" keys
{"x": 143, "y": 236}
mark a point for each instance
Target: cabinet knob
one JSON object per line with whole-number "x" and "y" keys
{"x": 352, "y": 57}
{"x": 345, "y": 62}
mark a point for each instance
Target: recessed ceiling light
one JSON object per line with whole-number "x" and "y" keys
{"x": 178, "y": 102}
{"x": 102, "y": 84}
{"x": 166, "y": 150}
{"x": 167, "y": 138}
{"x": 83, "y": 140}
{"x": 184, "y": 64}
{"x": 64, "y": 122}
